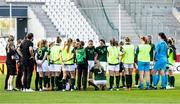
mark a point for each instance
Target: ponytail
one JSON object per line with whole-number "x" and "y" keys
{"x": 163, "y": 36}
{"x": 144, "y": 39}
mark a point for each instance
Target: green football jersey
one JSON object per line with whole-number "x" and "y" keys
{"x": 80, "y": 56}
{"x": 99, "y": 73}
{"x": 41, "y": 52}
{"x": 90, "y": 52}
{"x": 102, "y": 53}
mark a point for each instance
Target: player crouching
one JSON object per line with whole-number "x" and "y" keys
{"x": 99, "y": 76}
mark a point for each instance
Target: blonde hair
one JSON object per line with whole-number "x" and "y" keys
{"x": 10, "y": 46}
{"x": 68, "y": 45}
{"x": 99, "y": 65}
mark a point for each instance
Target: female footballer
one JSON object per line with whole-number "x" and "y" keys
{"x": 128, "y": 60}
{"x": 113, "y": 64}
{"x": 68, "y": 62}
{"x": 161, "y": 60}
{"x": 41, "y": 60}
{"x": 143, "y": 59}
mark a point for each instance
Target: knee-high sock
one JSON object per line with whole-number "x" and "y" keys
{"x": 163, "y": 81}
{"x": 40, "y": 82}
{"x": 172, "y": 81}
{"x": 158, "y": 78}
{"x": 45, "y": 80}
{"x": 130, "y": 76}
{"x": 127, "y": 81}
{"x": 169, "y": 80}
{"x": 151, "y": 79}
{"x": 37, "y": 81}
{"x": 166, "y": 80}
{"x": 155, "y": 81}
{"x": 111, "y": 81}
{"x": 141, "y": 85}
{"x": 52, "y": 82}
{"x": 117, "y": 81}
{"x": 48, "y": 82}
{"x": 64, "y": 83}
{"x": 147, "y": 84}
{"x": 136, "y": 79}
{"x": 72, "y": 83}
{"x": 123, "y": 80}
{"x": 57, "y": 81}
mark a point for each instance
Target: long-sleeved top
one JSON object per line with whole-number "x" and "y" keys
{"x": 161, "y": 51}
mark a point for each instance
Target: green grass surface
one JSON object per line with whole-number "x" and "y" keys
{"x": 86, "y": 97}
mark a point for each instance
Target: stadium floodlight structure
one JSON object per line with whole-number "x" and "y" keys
{"x": 120, "y": 34}
{"x": 10, "y": 17}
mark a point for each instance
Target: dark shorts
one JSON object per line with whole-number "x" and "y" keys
{"x": 121, "y": 66}
{"x": 11, "y": 68}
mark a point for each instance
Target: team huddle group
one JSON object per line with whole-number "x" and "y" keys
{"x": 59, "y": 67}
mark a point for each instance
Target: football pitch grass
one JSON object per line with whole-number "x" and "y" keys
{"x": 92, "y": 97}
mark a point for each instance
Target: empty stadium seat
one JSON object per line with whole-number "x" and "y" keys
{"x": 68, "y": 19}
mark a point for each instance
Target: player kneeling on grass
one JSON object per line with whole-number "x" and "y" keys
{"x": 113, "y": 67}
{"x": 99, "y": 76}
{"x": 41, "y": 60}
{"x": 143, "y": 58}
{"x": 171, "y": 59}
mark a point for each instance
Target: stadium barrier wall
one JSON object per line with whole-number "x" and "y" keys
{"x": 3, "y": 67}
{"x": 177, "y": 65}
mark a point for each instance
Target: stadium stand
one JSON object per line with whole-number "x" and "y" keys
{"x": 35, "y": 1}
{"x": 45, "y": 20}
{"x": 138, "y": 17}
{"x": 178, "y": 8}
{"x": 94, "y": 19}
{"x": 68, "y": 20}
{"x": 107, "y": 13}
{"x": 153, "y": 16}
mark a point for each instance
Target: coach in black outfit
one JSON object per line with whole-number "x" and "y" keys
{"x": 28, "y": 61}
{"x": 20, "y": 66}
{"x": 11, "y": 64}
